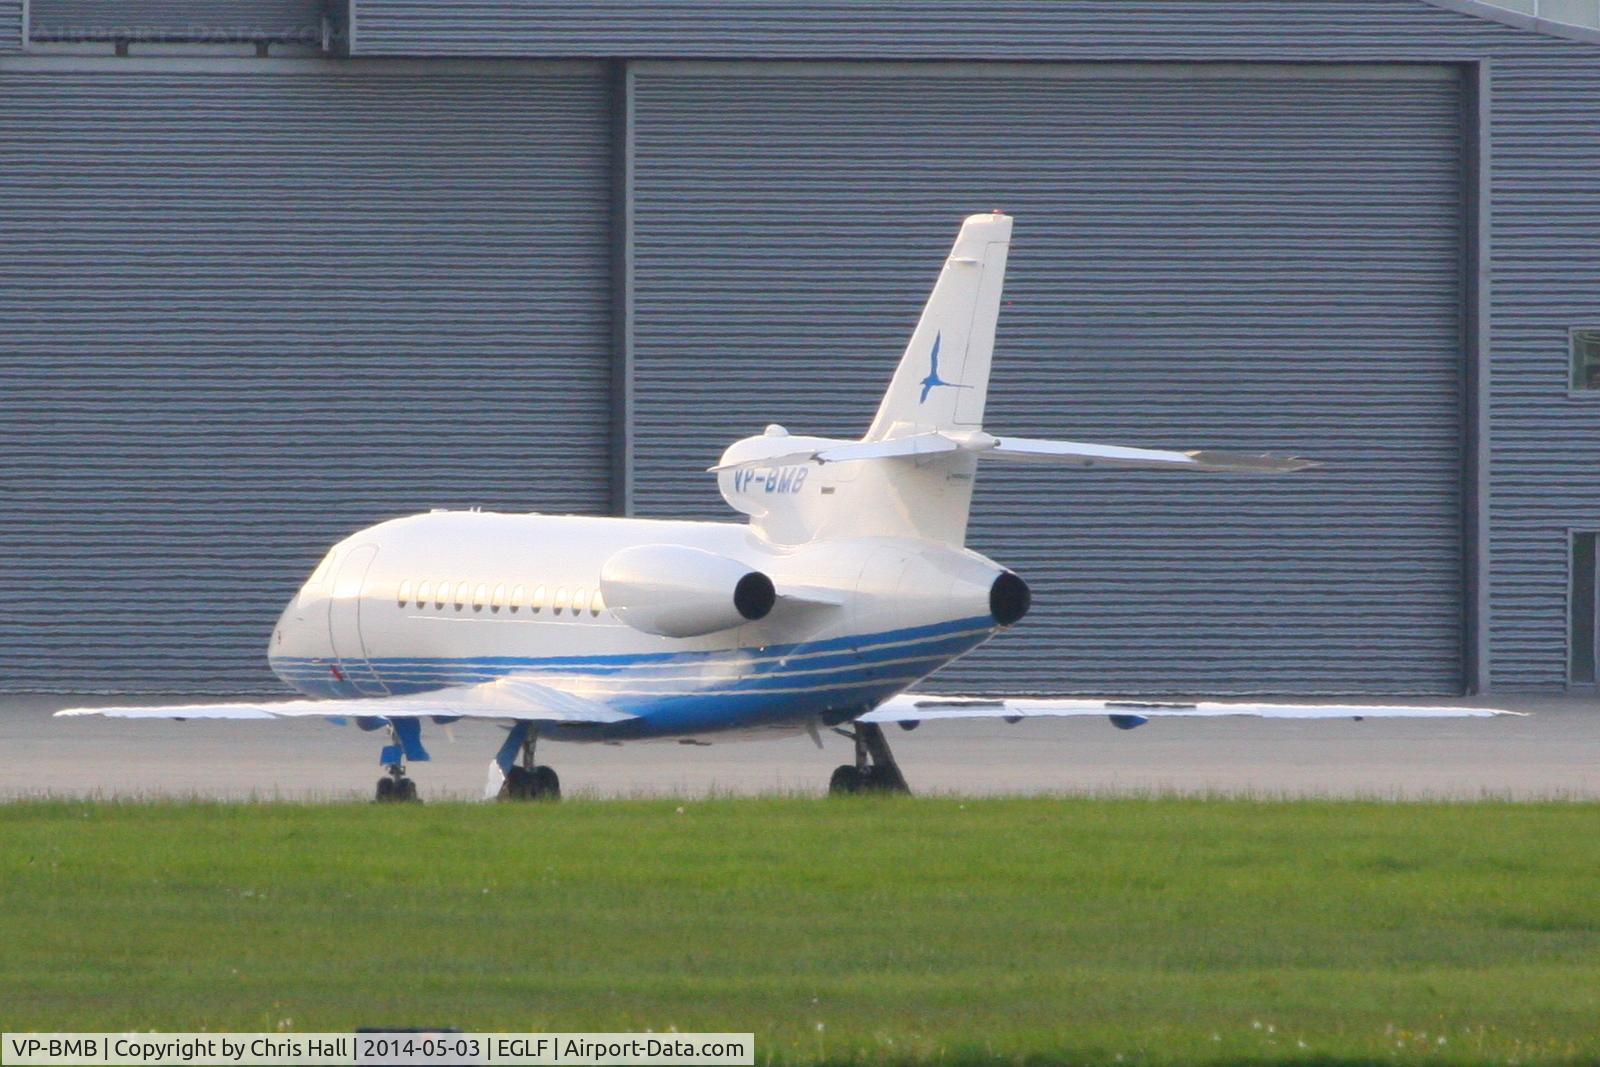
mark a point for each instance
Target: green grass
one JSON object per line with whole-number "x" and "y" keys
{"x": 1157, "y": 931}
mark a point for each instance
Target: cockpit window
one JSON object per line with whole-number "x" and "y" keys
{"x": 318, "y": 578}
{"x": 320, "y": 575}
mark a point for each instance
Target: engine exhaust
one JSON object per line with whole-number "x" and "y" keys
{"x": 1009, "y": 598}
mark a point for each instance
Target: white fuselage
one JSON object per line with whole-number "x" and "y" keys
{"x": 452, "y": 598}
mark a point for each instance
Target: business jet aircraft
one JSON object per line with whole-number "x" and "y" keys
{"x": 848, "y": 583}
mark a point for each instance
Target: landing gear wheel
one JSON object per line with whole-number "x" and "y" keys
{"x": 385, "y": 790}
{"x": 526, "y": 779}
{"x": 405, "y": 791}
{"x": 546, "y": 784}
{"x": 846, "y": 780}
{"x": 517, "y": 784}
{"x": 874, "y": 770}
{"x": 540, "y": 783}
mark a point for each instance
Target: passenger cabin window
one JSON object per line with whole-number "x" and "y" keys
{"x": 424, "y": 592}
{"x": 404, "y": 595}
{"x": 560, "y": 601}
{"x": 580, "y": 601}
{"x": 538, "y": 601}
{"x": 499, "y": 598}
{"x": 462, "y": 592}
{"x": 480, "y": 597}
{"x": 1586, "y": 359}
{"x": 516, "y": 599}
{"x": 596, "y": 605}
{"x": 443, "y": 597}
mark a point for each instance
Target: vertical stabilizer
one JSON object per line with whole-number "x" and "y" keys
{"x": 943, "y": 378}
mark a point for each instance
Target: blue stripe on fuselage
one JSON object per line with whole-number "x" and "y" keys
{"x": 677, "y": 692}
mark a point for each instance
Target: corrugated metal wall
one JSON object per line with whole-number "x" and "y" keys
{"x": 13, "y": 35}
{"x": 917, "y": 29}
{"x": 1546, "y": 281}
{"x": 178, "y": 20}
{"x": 252, "y": 305}
{"x": 1545, "y": 169}
{"x": 1243, "y": 259}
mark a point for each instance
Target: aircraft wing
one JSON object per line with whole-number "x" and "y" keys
{"x": 512, "y": 697}
{"x": 914, "y": 708}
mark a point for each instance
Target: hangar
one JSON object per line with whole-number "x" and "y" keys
{"x": 273, "y": 270}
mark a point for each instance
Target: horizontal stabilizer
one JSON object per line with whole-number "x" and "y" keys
{"x": 1081, "y": 454}
{"x": 910, "y": 707}
{"x": 1031, "y": 450}
{"x": 512, "y": 697}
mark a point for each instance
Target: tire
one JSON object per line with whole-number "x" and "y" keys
{"x": 846, "y": 781}
{"x": 517, "y": 785}
{"x": 385, "y": 790}
{"x": 406, "y": 791}
{"x": 546, "y": 784}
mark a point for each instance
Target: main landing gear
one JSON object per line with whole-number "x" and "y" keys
{"x": 874, "y": 770}
{"x": 526, "y": 779}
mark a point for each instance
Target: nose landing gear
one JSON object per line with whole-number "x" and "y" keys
{"x": 396, "y": 786}
{"x": 405, "y": 739}
{"x": 874, "y": 770}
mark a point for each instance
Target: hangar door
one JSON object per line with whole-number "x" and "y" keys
{"x": 250, "y": 306}
{"x": 1256, "y": 257}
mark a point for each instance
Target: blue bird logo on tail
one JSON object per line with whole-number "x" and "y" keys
{"x": 933, "y": 378}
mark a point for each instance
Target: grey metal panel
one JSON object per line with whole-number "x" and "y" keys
{"x": 1247, "y": 259}
{"x": 1478, "y": 313}
{"x": 622, "y": 373}
{"x": 1546, "y": 180}
{"x": 13, "y": 23}
{"x": 920, "y": 29}
{"x": 247, "y": 307}
{"x": 1547, "y": 157}
{"x": 178, "y": 20}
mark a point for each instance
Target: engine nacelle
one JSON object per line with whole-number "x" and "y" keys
{"x": 677, "y": 591}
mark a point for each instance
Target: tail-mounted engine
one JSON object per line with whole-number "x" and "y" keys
{"x": 677, "y": 591}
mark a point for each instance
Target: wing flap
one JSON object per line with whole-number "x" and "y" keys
{"x": 912, "y": 707}
{"x": 512, "y": 697}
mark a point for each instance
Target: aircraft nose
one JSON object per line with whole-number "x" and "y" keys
{"x": 294, "y": 638}
{"x": 277, "y": 644}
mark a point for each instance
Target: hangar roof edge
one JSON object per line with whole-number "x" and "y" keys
{"x": 1479, "y": 9}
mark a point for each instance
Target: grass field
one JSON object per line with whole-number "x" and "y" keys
{"x": 874, "y": 930}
